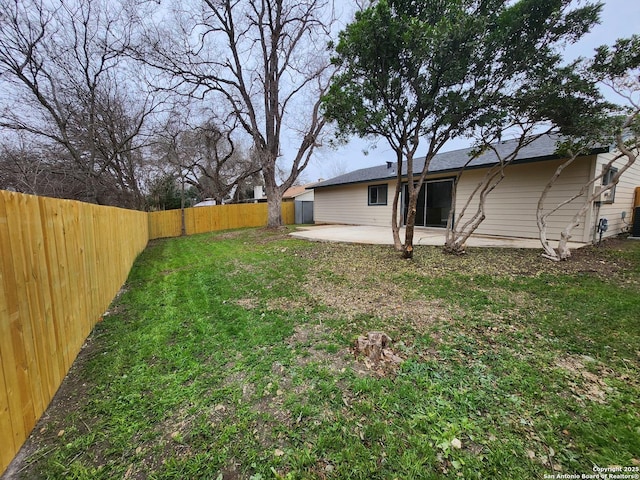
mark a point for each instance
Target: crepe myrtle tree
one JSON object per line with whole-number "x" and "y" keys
{"x": 264, "y": 62}
{"x": 473, "y": 211}
{"x": 617, "y": 67}
{"x": 566, "y": 104}
{"x": 418, "y": 74}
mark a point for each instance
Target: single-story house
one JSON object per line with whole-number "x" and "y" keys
{"x": 365, "y": 196}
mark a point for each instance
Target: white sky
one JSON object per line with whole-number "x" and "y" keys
{"x": 619, "y": 18}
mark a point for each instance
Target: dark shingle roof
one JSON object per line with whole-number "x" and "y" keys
{"x": 542, "y": 148}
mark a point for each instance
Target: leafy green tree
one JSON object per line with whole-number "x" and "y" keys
{"x": 165, "y": 194}
{"x": 415, "y": 72}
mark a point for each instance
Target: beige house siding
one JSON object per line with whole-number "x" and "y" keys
{"x": 348, "y": 205}
{"x": 511, "y": 206}
{"x": 623, "y": 200}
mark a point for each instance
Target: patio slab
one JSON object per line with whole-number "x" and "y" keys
{"x": 422, "y": 236}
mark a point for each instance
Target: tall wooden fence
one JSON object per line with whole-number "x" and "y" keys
{"x": 61, "y": 264}
{"x": 209, "y": 219}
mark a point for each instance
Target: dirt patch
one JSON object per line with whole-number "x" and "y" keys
{"x": 232, "y": 235}
{"x": 588, "y": 377}
{"x": 257, "y": 236}
{"x": 305, "y": 334}
{"x": 311, "y": 340}
{"x": 594, "y": 260}
{"x": 247, "y": 303}
{"x": 177, "y": 270}
{"x": 346, "y": 282}
{"x": 351, "y": 299}
{"x": 289, "y": 304}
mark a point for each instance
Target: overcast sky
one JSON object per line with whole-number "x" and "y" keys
{"x": 620, "y": 18}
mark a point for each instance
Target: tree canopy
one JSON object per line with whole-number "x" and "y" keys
{"x": 425, "y": 72}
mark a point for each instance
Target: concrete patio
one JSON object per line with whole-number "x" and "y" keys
{"x": 423, "y": 236}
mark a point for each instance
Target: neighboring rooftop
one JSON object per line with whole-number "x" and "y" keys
{"x": 542, "y": 148}
{"x": 298, "y": 190}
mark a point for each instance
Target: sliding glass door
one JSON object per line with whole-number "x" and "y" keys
{"x": 434, "y": 203}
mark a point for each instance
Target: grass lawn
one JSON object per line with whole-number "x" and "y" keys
{"x": 230, "y": 356}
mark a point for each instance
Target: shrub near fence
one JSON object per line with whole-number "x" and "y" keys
{"x": 210, "y": 219}
{"x": 61, "y": 264}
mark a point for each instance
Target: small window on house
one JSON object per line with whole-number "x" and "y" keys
{"x": 607, "y": 179}
{"x": 377, "y": 194}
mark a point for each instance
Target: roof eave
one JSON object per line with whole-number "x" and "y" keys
{"x": 594, "y": 151}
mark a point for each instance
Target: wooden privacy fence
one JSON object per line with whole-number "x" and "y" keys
{"x": 209, "y": 219}
{"x": 61, "y": 264}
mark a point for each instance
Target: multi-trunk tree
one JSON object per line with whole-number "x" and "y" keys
{"x": 562, "y": 103}
{"x": 618, "y": 68}
{"x": 421, "y": 73}
{"x": 205, "y": 155}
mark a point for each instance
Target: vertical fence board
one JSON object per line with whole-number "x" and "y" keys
{"x": 74, "y": 249}
{"x": 21, "y": 334}
{"x": 66, "y": 294}
{"x": 6, "y": 452}
{"x": 52, "y": 229}
{"x": 39, "y": 300}
{"x": 93, "y": 310}
{"x": 12, "y": 361}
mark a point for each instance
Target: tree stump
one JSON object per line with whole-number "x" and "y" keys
{"x": 376, "y": 346}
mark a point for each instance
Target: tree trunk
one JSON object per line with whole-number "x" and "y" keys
{"x": 407, "y": 250}
{"x": 549, "y": 251}
{"x": 274, "y": 208}
{"x": 273, "y": 192}
{"x": 183, "y": 222}
{"x": 541, "y": 217}
{"x": 563, "y": 249}
{"x": 541, "y": 220}
{"x": 274, "y": 205}
{"x": 395, "y": 224}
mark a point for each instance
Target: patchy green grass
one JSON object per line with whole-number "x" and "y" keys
{"x": 230, "y": 356}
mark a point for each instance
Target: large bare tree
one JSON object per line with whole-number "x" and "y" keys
{"x": 205, "y": 155}
{"x": 268, "y": 61}
{"x": 64, "y": 80}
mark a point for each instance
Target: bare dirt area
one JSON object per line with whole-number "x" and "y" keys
{"x": 343, "y": 277}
